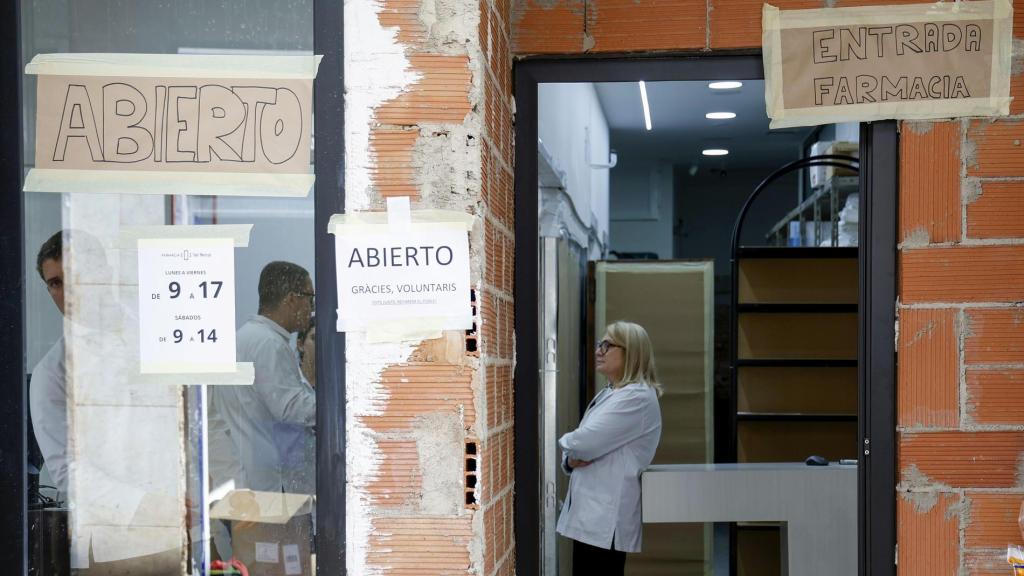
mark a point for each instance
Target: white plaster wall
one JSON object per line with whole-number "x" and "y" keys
{"x": 642, "y": 207}
{"x": 568, "y": 116}
{"x": 377, "y": 70}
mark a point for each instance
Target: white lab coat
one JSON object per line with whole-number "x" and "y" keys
{"x": 619, "y": 434}
{"x": 248, "y": 414}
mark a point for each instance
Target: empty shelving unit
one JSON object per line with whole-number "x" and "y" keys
{"x": 793, "y": 361}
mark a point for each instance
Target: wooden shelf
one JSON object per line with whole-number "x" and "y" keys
{"x": 794, "y": 417}
{"x": 797, "y": 308}
{"x": 796, "y": 252}
{"x": 798, "y": 363}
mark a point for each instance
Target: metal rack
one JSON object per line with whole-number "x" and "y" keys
{"x": 824, "y": 200}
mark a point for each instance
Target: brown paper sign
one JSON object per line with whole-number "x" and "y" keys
{"x": 871, "y": 63}
{"x": 202, "y": 134}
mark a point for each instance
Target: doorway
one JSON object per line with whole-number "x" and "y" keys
{"x": 873, "y": 296}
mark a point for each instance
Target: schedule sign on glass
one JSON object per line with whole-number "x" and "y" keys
{"x": 186, "y": 305}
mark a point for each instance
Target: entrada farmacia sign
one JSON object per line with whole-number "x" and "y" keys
{"x": 868, "y": 63}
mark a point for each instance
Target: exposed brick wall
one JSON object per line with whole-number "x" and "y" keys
{"x": 429, "y": 116}
{"x": 496, "y": 304}
{"x": 961, "y": 340}
{"x": 961, "y": 344}
{"x": 577, "y": 26}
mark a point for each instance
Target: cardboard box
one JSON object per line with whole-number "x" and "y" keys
{"x": 822, "y": 174}
{"x": 271, "y": 532}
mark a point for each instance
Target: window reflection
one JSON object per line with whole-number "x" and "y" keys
{"x": 132, "y": 477}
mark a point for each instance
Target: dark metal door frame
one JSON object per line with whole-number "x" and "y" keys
{"x": 14, "y": 407}
{"x": 329, "y": 132}
{"x": 877, "y": 378}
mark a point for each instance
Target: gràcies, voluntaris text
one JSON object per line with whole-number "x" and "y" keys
{"x": 862, "y": 43}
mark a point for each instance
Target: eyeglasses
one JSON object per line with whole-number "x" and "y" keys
{"x": 309, "y": 295}
{"x": 604, "y": 345}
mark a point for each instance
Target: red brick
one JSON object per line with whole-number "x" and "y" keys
{"x": 421, "y": 545}
{"x": 392, "y": 169}
{"x": 998, "y": 212}
{"x": 1017, "y": 93}
{"x": 930, "y": 180}
{"x": 928, "y": 387}
{"x": 629, "y": 26}
{"x": 417, "y": 388}
{"x": 999, "y": 148}
{"x": 541, "y": 27}
{"x": 403, "y": 14}
{"x": 737, "y": 23}
{"x": 440, "y": 95}
{"x": 928, "y": 537}
{"x": 397, "y": 481}
{"x": 994, "y": 336}
{"x": 1018, "y": 18}
{"x": 963, "y": 459}
{"x": 994, "y": 396}
{"x": 986, "y": 562}
{"x": 962, "y": 274}
{"x": 993, "y": 520}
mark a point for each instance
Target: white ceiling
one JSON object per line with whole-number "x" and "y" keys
{"x": 680, "y": 131}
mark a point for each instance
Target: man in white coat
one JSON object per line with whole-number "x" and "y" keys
{"x": 251, "y": 415}
{"x": 615, "y": 442}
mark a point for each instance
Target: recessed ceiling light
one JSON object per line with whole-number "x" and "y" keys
{"x": 645, "y": 104}
{"x": 728, "y": 85}
{"x": 720, "y": 115}
{"x": 715, "y": 152}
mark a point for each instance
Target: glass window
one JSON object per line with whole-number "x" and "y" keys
{"x": 129, "y": 475}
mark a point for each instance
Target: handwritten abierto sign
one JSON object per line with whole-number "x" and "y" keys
{"x": 173, "y": 124}
{"x": 870, "y": 63}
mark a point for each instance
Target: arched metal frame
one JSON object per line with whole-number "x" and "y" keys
{"x": 835, "y": 161}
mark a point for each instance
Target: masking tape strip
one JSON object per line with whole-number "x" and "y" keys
{"x": 866, "y": 112}
{"x": 406, "y": 329}
{"x": 771, "y": 42}
{"x": 243, "y": 375}
{"x": 398, "y": 211}
{"x": 363, "y": 222}
{"x": 177, "y": 65}
{"x": 239, "y": 233}
{"x": 996, "y": 104}
{"x": 168, "y": 183}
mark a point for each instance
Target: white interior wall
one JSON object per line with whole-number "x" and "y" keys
{"x": 642, "y": 207}
{"x": 569, "y": 119}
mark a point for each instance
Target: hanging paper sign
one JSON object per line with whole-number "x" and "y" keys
{"x": 186, "y": 305}
{"x": 916, "y": 61}
{"x": 398, "y": 281}
{"x": 164, "y": 124}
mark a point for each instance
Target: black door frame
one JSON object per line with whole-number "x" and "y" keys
{"x": 877, "y": 311}
{"x": 329, "y": 134}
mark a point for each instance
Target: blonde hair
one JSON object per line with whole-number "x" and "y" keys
{"x": 638, "y": 365}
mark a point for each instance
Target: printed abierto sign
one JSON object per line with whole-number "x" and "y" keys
{"x": 869, "y": 63}
{"x": 395, "y": 281}
{"x": 173, "y": 124}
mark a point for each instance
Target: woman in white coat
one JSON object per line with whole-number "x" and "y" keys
{"x": 614, "y": 443}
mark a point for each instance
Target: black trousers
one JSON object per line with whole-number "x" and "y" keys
{"x": 590, "y": 560}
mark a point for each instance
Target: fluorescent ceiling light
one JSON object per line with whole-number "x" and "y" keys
{"x": 715, "y": 152}
{"x": 647, "y": 108}
{"x": 720, "y": 115}
{"x": 728, "y": 85}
